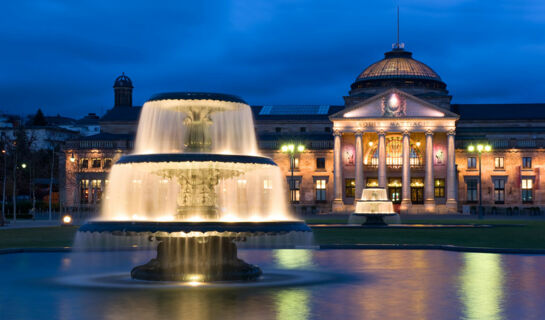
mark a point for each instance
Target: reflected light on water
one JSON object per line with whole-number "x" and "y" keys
{"x": 292, "y": 304}
{"x": 293, "y": 258}
{"x": 481, "y": 286}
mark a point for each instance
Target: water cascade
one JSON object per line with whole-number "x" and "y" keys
{"x": 195, "y": 186}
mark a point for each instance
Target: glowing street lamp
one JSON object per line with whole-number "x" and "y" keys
{"x": 291, "y": 149}
{"x": 480, "y": 148}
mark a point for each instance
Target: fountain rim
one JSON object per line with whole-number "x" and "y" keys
{"x": 196, "y": 96}
{"x": 194, "y": 157}
{"x": 242, "y": 227}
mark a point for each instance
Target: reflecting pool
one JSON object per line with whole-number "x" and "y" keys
{"x": 361, "y": 284}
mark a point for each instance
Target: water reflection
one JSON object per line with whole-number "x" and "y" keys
{"x": 481, "y": 286}
{"x": 293, "y": 258}
{"x": 292, "y": 304}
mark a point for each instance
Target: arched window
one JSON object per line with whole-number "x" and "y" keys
{"x": 394, "y": 154}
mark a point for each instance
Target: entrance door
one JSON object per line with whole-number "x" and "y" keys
{"x": 417, "y": 195}
{"x": 394, "y": 194}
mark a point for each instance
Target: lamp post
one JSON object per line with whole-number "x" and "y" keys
{"x": 292, "y": 149}
{"x": 479, "y": 149}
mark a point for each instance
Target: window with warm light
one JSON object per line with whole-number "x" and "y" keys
{"x": 296, "y": 163}
{"x": 295, "y": 188}
{"x": 439, "y": 188}
{"x": 349, "y": 188}
{"x": 527, "y": 190}
{"x": 471, "y": 162}
{"x": 394, "y": 154}
{"x": 107, "y": 163}
{"x": 96, "y": 190}
{"x": 96, "y": 163}
{"x": 84, "y": 191}
{"x": 498, "y": 163}
{"x": 499, "y": 191}
{"x": 321, "y": 190}
{"x": 84, "y": 163}
{"x": 527, "y": 162}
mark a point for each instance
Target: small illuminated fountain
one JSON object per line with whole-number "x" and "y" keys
{"x": 195, "y": 185}
{"x": 374, "y": 206}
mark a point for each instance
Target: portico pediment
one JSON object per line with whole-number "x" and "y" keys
{"x": 393, "y": 104}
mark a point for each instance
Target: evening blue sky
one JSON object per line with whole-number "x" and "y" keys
{"x": 63, "y": 56}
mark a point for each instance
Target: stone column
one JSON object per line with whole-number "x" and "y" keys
{"x": 359, "y": 164}
{"x": 406, "y": 174}
{"x": 382, "y": 159}
{"x": 338, "y": 204}
{"x": 452, "y": 206}
{"x": 429, "y": 199}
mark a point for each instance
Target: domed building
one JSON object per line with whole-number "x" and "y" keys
{"x": 397, "y": 129}
{"x": 398, "y": 69}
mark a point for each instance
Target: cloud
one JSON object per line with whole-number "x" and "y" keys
{"x": 63, "y": 56}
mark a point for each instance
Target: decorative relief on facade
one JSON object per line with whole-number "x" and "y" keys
{"x": 348, "y": 155}
{"x": 394, "y": 106}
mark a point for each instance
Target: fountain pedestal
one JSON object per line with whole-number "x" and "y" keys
{"x": 374, "y": 206}
{"x": 196, "y": 259}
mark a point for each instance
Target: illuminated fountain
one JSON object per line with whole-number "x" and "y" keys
{"x": 195, "y": 186}
{"x": 374, "y": 206}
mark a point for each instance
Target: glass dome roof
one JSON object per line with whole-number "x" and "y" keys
{"x": 398, "y": 64}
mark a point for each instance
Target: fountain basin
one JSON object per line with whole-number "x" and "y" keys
{"x": 181, "y": 158}
{"x": 177, "y": 228}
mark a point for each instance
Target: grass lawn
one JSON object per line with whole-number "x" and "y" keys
{"x": 43, "y": 237}
{"x": 530, "y": 235}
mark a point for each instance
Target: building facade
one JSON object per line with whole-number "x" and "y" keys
{"x": 397, "y": 129}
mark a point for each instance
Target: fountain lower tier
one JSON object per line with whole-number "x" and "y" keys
{"x": 196, "y": 259}
{"x": 195, "y": 251}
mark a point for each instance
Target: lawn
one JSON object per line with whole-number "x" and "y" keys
{"x": 516, "y": 234}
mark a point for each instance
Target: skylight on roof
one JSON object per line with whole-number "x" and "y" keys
{"x": 294, "y": 110}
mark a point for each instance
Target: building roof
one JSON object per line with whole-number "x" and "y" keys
{"x": 196, "y": 96}
{"x": 398, "y": 64}
{"x": 510, "y": 111}
{"x": 122, "y": 114}
{"x": 58, "y": 120}
{"x": 104, "y": 136}
{"x": 90, "y": 119}
{"x": 123, "y": 82}
{"x": 294, "y": 112}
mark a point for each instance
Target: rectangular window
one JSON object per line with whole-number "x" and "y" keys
{"x": 296, "y": 163}
{"x": 471, "y": 163}
{"x": 96, "y": 163}
{"x": 295, "y": 187}
{"x": 96, "y": 190}
{"x": 349, "y": 188}
{"x": 439, "y": 188}
{"x": 84, "y": 191}
{"x": 472, "y": 190}
{"x": 371, "y": 182}
{"x": 527, "y": 190}
{"x": 499, "y": 191}
{"x": 84, "y": 163}
{"x": 321, "y": 190}
{"x": 320, "y": 163}
{"x": 107, "y": 163}
{"x": 527, "y": 162}
{"x": 498, "y": 162}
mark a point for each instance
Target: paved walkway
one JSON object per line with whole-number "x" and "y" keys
{"x": 30, "y": 224}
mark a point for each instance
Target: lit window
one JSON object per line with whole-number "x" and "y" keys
{"x": 498, "y": 162}
{"x": 296, "y": 163}
{"x": 84, "y": 191}
{"x": 527, "y": 162}
{"x": 527, "y": 190}
{"x": 349, "y": 188}
{"x": 371, "y": 182}
{"x": 320, "y": 163}
{"x": 84, "y": 163}
{"x": 294, "y": 186}
{"x": 499, "y": 191}
{"x": 471, "y": 163}
{"x": 472, "y": 190}
{"x": 96, "y": 163}
{"x": 439, "y": 188}
{"x": 321, "y": 189}
{"x": 107, "y": 163}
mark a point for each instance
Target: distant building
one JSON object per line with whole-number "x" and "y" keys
{"x": 397, "y": 106}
